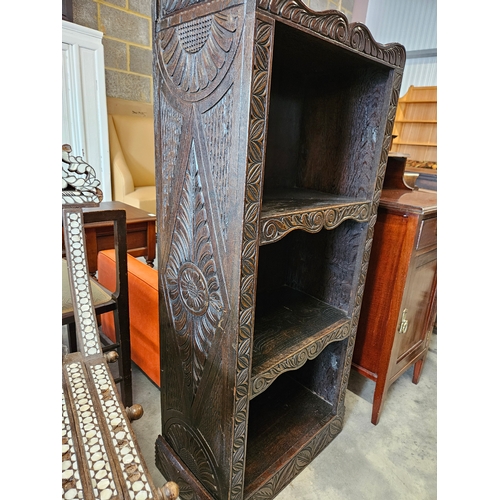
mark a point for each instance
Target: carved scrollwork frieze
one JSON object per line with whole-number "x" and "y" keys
{"x": 275, "y": 228}
{"x": 334, "y": 25}
{"x": 263, "y": 380}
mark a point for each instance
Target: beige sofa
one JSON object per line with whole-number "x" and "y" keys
{"x": 132, "y": 158}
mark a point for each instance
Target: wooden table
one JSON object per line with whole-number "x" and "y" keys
{"x": 141, "y": 234}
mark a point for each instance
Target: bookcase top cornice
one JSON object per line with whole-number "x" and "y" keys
{"x": 331, "y": 24}
{"x": 334, "y": 25}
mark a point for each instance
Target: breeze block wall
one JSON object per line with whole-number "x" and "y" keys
{"x": 126, "y": 28}
{"x": 126, "y": 25}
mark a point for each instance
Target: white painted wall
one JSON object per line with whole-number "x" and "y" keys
{"x": 84, "y": 115}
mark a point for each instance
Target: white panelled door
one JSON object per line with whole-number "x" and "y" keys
{"x": 84, "y": 114}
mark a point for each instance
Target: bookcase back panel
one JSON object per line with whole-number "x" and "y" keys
{"x": 324, "y": 265}
{"x": 326, "y": 117}
{"x": 323, "y": 375}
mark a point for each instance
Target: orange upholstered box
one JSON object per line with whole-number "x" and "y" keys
{"x": 143, "y": 310}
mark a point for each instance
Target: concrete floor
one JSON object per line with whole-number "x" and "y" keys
{"x": 395, "y": 460}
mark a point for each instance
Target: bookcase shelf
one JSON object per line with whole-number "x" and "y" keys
{"x": 287, "y": 209}
{"x": 273, "y": 125}
{"x": 290, "y": 329}
{"x": 284, "y": 419}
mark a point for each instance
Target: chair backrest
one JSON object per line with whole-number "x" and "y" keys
{"x": 79, "y": 189}
{"x": 80, "y": 185}
{"x": 80, "y": 197}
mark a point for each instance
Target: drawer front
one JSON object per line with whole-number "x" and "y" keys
{"x": 428, "y": 233}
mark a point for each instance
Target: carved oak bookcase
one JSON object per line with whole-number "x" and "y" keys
{"x": 272, "y": 128}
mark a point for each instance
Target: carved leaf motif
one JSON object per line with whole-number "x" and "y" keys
{"x": 170, "y": 133}
{"x": 169, "y": 6}
{"x": 263, "y": 39}
{"x": 192, "y": 281}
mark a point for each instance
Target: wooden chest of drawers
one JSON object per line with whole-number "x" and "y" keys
{"x": 399, "y": 304}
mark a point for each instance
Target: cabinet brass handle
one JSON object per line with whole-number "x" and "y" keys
{"x": 403, "y": 326}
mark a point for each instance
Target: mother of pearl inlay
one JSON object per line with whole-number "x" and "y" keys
{"x": 71, "y": 484}
{"x": 93, "y": 442}
{"x": 134, "y": 475}
{"x": 79, "y": 278}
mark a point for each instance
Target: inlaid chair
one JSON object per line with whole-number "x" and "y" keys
{"x": 101, "y": 458}
{"x": 103, "y": 299}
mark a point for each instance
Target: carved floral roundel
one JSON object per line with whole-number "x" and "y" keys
{"x": 193, "y": 288}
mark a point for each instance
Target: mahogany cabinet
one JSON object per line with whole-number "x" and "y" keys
{"x": 399, "y": 304}
{"x": 272, "y": 129}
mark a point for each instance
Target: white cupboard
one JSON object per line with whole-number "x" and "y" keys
{"x": 84, "y": 115}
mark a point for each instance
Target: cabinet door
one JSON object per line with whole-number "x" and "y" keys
{"x": 416, "y": 307}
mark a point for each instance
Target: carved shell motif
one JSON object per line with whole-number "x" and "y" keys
{"x": 169, "y": 6}
{"x": 80, "y": 186}
{"x": 194, "y": 53}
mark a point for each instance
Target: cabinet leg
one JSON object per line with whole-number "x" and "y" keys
{"x": 417, "y": 370}
{"x": 378, "y": 401}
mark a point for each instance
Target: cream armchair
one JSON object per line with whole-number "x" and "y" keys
{"x": 132, "y": 157}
